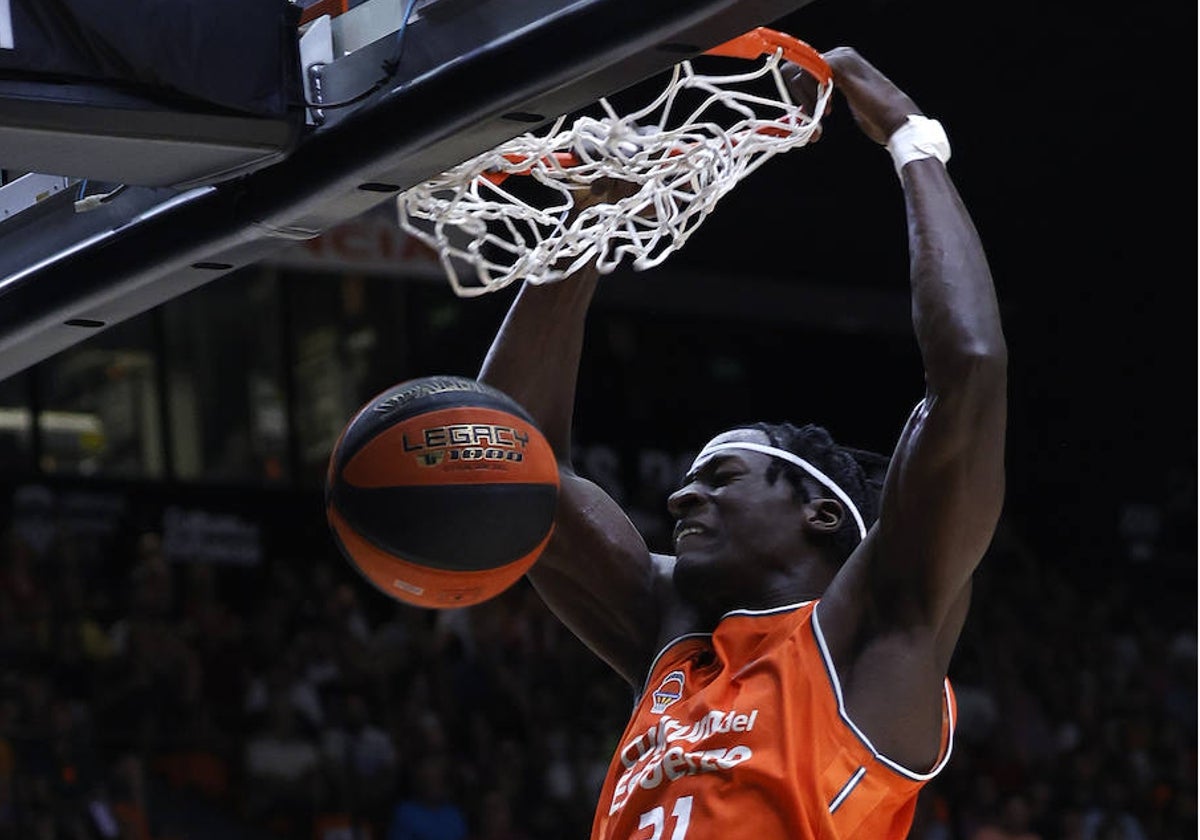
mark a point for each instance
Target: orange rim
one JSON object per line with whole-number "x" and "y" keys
{"x": 498, "y": 177}
{"x": 763, "y": 41}
{"x": 757, "y": 43}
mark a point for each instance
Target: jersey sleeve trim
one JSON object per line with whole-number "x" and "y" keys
{"x": 836, "y": 684}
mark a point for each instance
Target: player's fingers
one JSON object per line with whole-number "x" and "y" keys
{"x": 803, "y": 87}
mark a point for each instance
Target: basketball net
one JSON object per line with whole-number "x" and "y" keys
{"x": 679, "y": 155}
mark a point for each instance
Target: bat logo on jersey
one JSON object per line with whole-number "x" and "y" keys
{"x": 668, "y": 691}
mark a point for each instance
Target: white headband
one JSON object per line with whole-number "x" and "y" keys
{"x": 791, "y": 458}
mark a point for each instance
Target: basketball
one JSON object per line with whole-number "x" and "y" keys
{"x": 441, "y": 491}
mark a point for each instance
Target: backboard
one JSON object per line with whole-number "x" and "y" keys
{"x": 472, "y": 74}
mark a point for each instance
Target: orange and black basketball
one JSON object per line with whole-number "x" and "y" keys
{"x": 441, "y": 491}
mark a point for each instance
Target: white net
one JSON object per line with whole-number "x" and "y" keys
{"x": 507, "y": 214}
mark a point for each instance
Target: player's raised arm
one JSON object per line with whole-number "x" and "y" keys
{"x": 908, "y": 586}
{"x": 597, "y": 574}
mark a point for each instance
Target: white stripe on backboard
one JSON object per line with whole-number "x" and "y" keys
{"x": 6, "y": 33}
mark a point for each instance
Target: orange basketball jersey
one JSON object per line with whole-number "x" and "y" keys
{"x": 742, "y": 734}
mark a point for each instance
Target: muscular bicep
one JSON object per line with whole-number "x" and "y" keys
{"x": 941, "y": 500}
{"x": 599, "y": 578}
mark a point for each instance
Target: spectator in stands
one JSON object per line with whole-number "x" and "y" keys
{"x": 495, "y": 818}
{"x": 360, "y": 756}
{"x": 429, "y": 811}
{"x": 1012, "y": 822}
{"x": 281, "y": 771}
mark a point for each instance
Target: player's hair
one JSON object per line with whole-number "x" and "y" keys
{"x": 857, "y": 472}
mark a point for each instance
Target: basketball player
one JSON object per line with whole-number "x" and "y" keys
{"x": 790, "y": 660}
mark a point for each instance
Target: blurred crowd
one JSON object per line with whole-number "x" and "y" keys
{"x": 145, "y": 700}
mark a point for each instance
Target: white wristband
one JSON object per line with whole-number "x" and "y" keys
{"x": 919, "y": 137}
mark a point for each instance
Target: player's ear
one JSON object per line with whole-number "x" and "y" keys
{"x": 825, "y": 515}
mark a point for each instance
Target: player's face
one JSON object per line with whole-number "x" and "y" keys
{"x": 733, "y": 528}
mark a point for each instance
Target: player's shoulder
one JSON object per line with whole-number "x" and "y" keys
{"x": 664, "y": 568}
